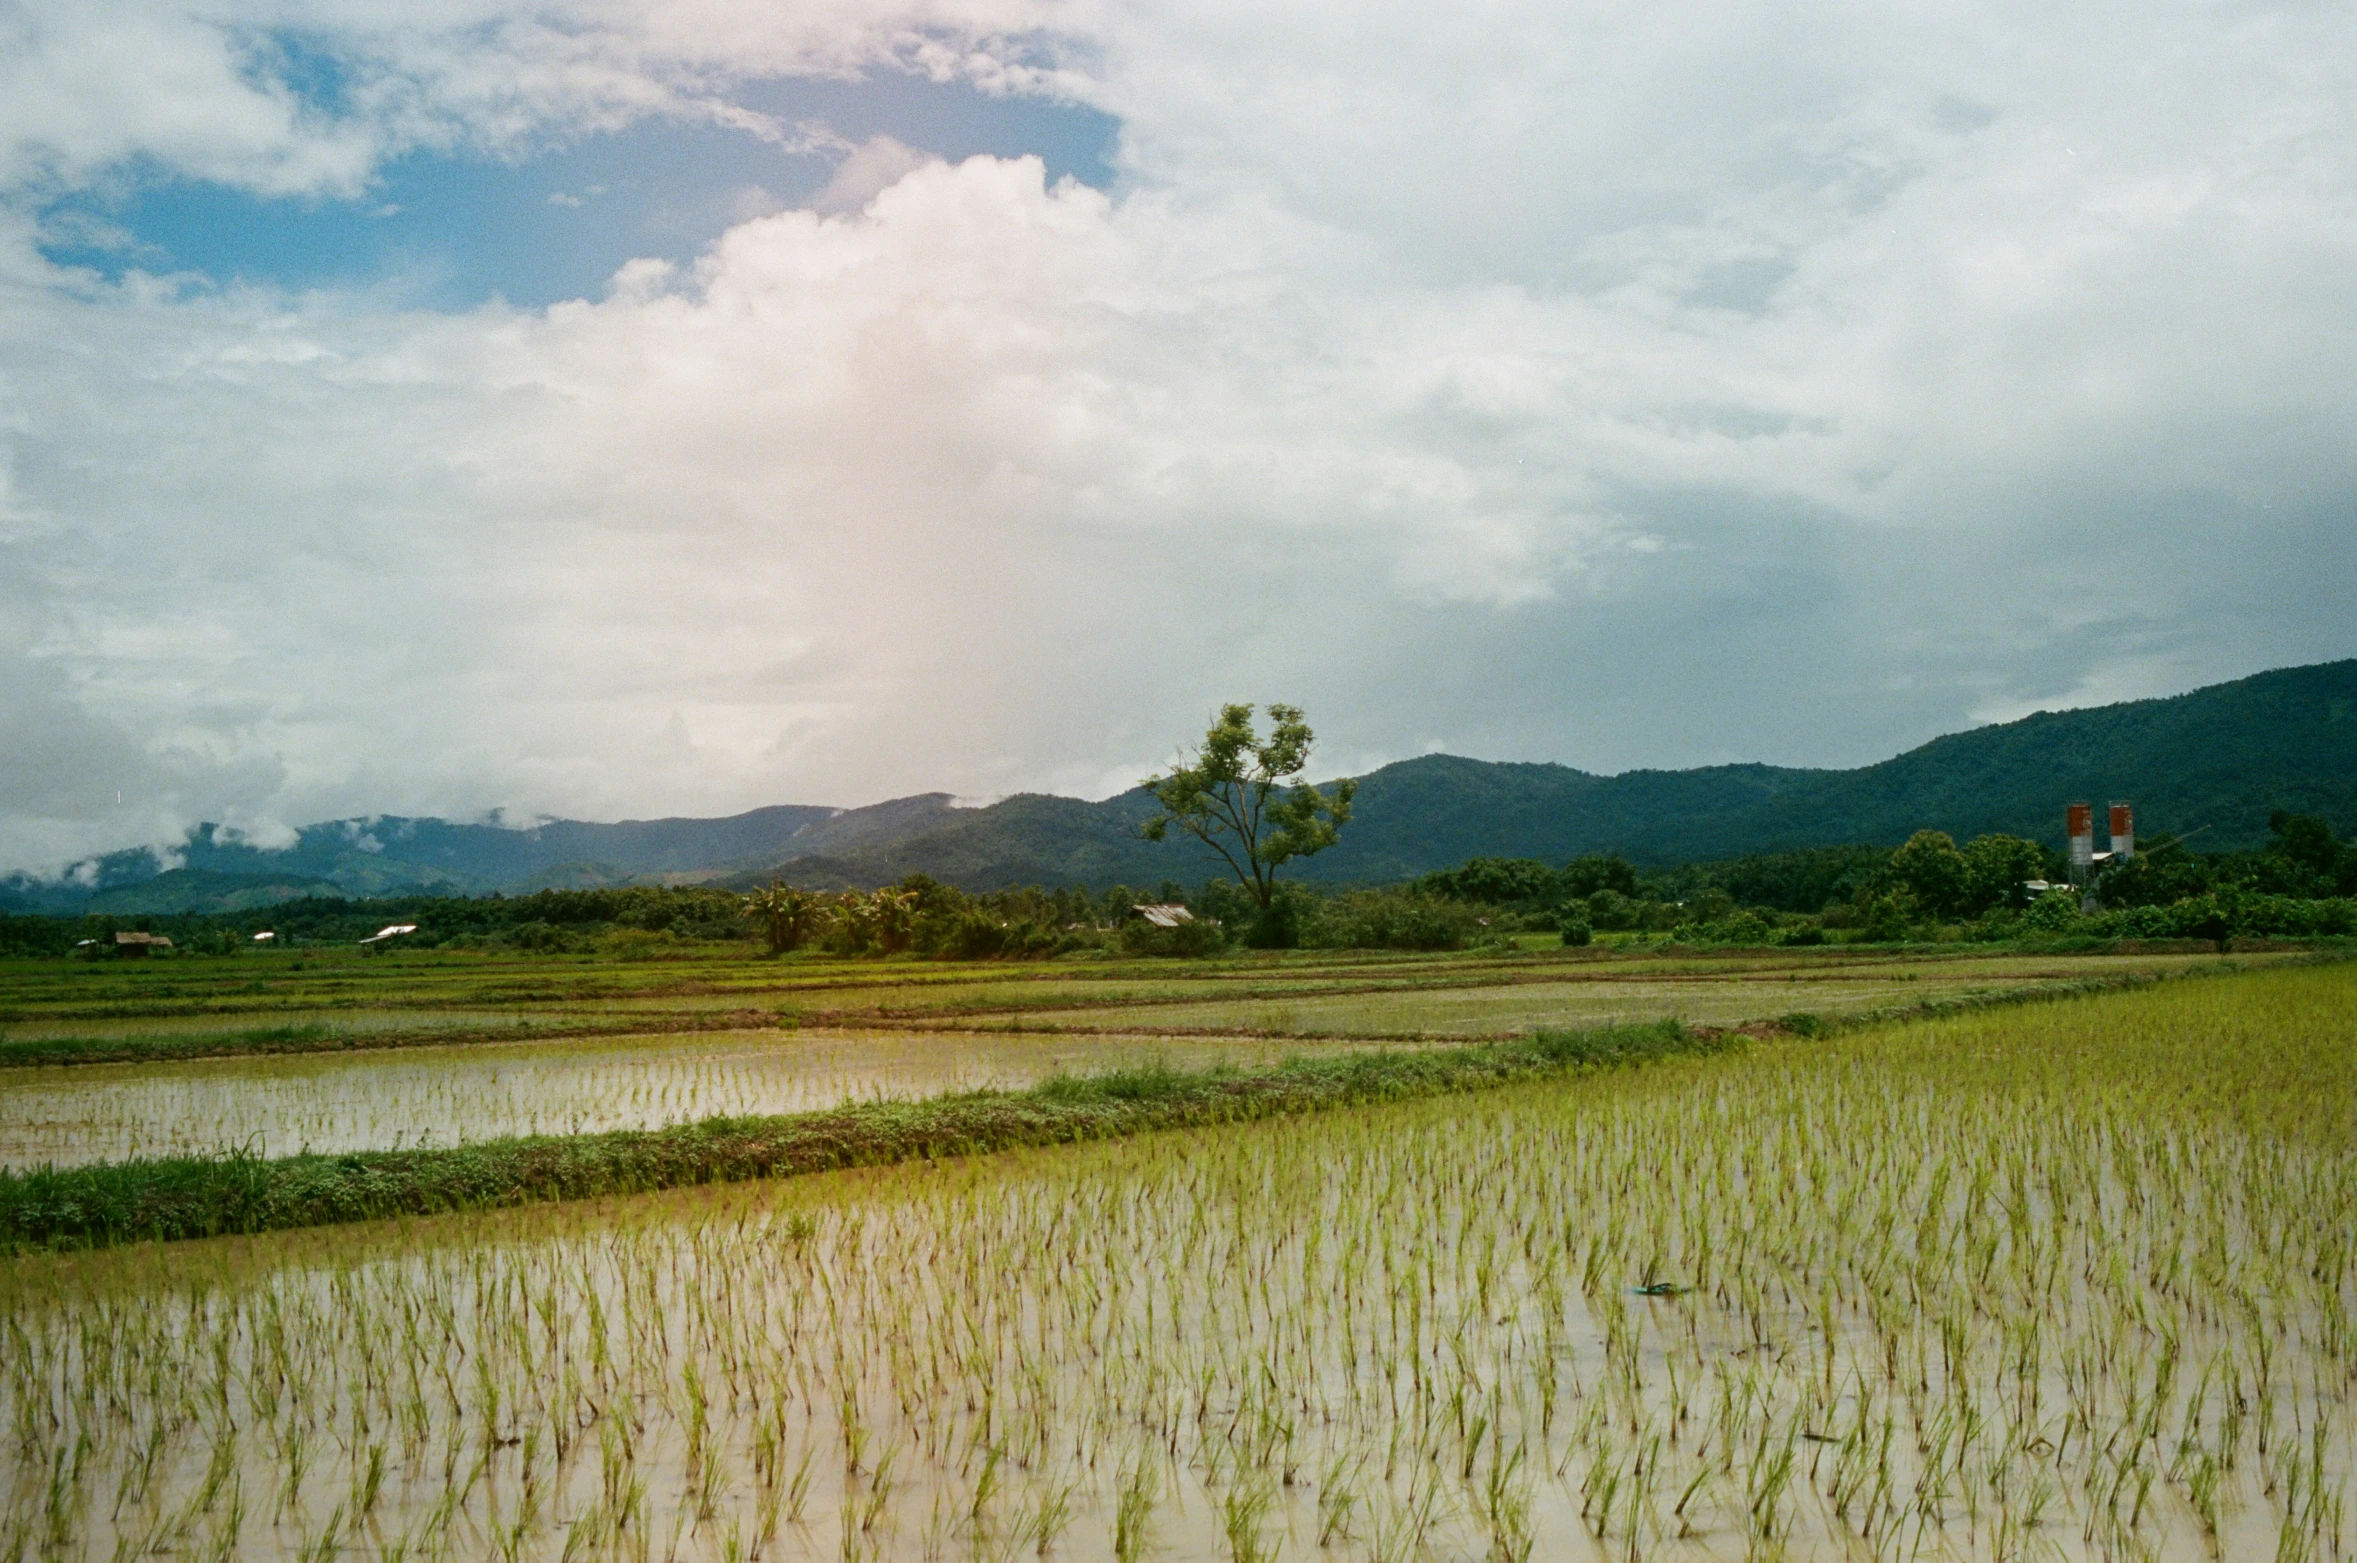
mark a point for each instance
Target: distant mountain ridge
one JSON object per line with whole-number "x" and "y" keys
{"x": 2217, "y": 760}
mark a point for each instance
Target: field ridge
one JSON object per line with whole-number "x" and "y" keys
{"x": 206, "y": 1196}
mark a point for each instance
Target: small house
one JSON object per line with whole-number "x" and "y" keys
{"x": 127, "y": 943}
{"x": 1163, "y": 915}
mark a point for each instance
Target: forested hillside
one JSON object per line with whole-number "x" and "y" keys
{"x": 2218, "y": 760}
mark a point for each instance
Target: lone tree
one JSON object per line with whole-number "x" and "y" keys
{"x": 1242, "y": 796}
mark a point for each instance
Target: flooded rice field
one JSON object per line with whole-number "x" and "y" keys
{"x": 390, "y": 1099}
{"x": 2072, "y": 1280}
{"x": 1527, "y": 1006}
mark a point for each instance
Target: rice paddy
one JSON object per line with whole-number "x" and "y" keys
{"x": 1521, "y": 1007}
{"x": 388, "y": 1099}
{"x": 2071, "y": 1279}
{"x": 416, "y": 1058}
{"x": 107, "y": 1011}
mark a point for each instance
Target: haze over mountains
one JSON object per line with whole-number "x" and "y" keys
{"x": 2216, "y": 760}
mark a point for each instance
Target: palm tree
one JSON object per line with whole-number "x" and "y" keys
{"x": 893, "y": 914}
{"x": 854, "y": 918}
{"x": 791, "y": 915}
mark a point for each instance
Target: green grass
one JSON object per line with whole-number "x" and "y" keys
{"x": 57, "y": 1013}
{"x": 206, "y": 1196}
{"x": 2068, "y": 1280}
{"x": 368, "y": 1100}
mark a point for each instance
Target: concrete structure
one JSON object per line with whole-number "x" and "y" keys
{"x": 2086, "y": 862}
{"x": 2079, "y": 825}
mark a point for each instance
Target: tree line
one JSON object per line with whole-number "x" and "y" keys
{"x": 1244, "y": 796}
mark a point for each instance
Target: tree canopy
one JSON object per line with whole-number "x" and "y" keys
{"x": 1245, "y": 797}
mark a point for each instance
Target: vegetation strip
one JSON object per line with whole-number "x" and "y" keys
{"x": 2018, "y": 990}
{"x": 210, "y": 1196}
{"x": 321, "y": 1037}
{"x": 994, "y": 1018}
{"x": 270, "y": 1041}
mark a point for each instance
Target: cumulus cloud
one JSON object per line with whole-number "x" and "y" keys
{"x": 308, "y": 99}
{"x": 870, "y": 169}
{"x": 1621, "y": 385}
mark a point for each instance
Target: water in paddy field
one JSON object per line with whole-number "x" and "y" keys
{"x": 1565, "y": 995}
{"x": 334, "y": 1102}
{"x": 1513, "y": 1008}
{"x": 1939, "y": 1297}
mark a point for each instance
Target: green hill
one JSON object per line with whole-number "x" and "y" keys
{"x": 2218, "y": 760}
{"x": 183, "y": 889}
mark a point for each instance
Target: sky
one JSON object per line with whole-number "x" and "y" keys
{"x": 614, "y": 409}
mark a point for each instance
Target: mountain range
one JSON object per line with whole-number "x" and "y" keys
{"x": 2217, "y": 760}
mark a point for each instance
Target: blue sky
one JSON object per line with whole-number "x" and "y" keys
{"x": 554, "y": 219}
{"x": 972, "y": 395}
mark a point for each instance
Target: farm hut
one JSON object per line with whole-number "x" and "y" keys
{"x": 128, "y": 943}
{"x": 1162, "y": 915}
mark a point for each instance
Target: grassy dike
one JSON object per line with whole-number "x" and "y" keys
{"x": 187, "y": 1197}
{"x": 315, "y": 1037}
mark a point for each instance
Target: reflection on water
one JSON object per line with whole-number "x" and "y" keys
{"x": 1516, "y": 1007}
{"x": 1898, "y": 1307}
{"x": 444, "y": 1096}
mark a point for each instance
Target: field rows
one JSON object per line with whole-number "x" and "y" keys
{"x": 329, "y": 1083}
{"x": 389, "y": 998}
{"x": 2071, "y": 1280}
{"x": 337, "y": 1102}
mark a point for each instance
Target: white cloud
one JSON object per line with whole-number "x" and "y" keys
{"x": 284, "y": 98}
{"x": 866, "y": 172}
{"x": 1623, "y": 385}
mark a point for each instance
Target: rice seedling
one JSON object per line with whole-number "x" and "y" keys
{"x": 2070, "y": 1280}
{"x": 390, "y": 1100}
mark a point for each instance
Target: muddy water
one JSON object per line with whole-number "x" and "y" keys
{"x": 443, "y": 1096}
{"x": 1519, "y": 1007}
{"x": 1409, "y": 1333}
{"x": 2061, "y": 1282}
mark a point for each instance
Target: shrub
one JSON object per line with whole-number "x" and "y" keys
{"x": 1198, "y": 938}
{"x": 638, "y": 944}
{"x": 2054, "y": 912}
{"x": 1735, "y": 928}
{"x": 1933, "y": 871}
{"x": 545, "y": 938}
{"x": 1888, "y": 918}
{"x": 975, "y": 934}
{"x": 2204, "y": 917}
{"x": 1609, "y": 909}
{"x": 1495, "y": 881}
{"x": 1713, "y": 905}
{"x": 1396, "y": 920}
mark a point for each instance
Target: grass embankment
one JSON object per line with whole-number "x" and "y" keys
{"x": 212, "y": 1195}
{"x": 317, "y": 1037}
{"x": 1152, "y": 1001}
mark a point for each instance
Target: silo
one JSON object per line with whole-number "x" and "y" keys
{"x": 2123, "y": 832}
{"x": 2081, "y": 821}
